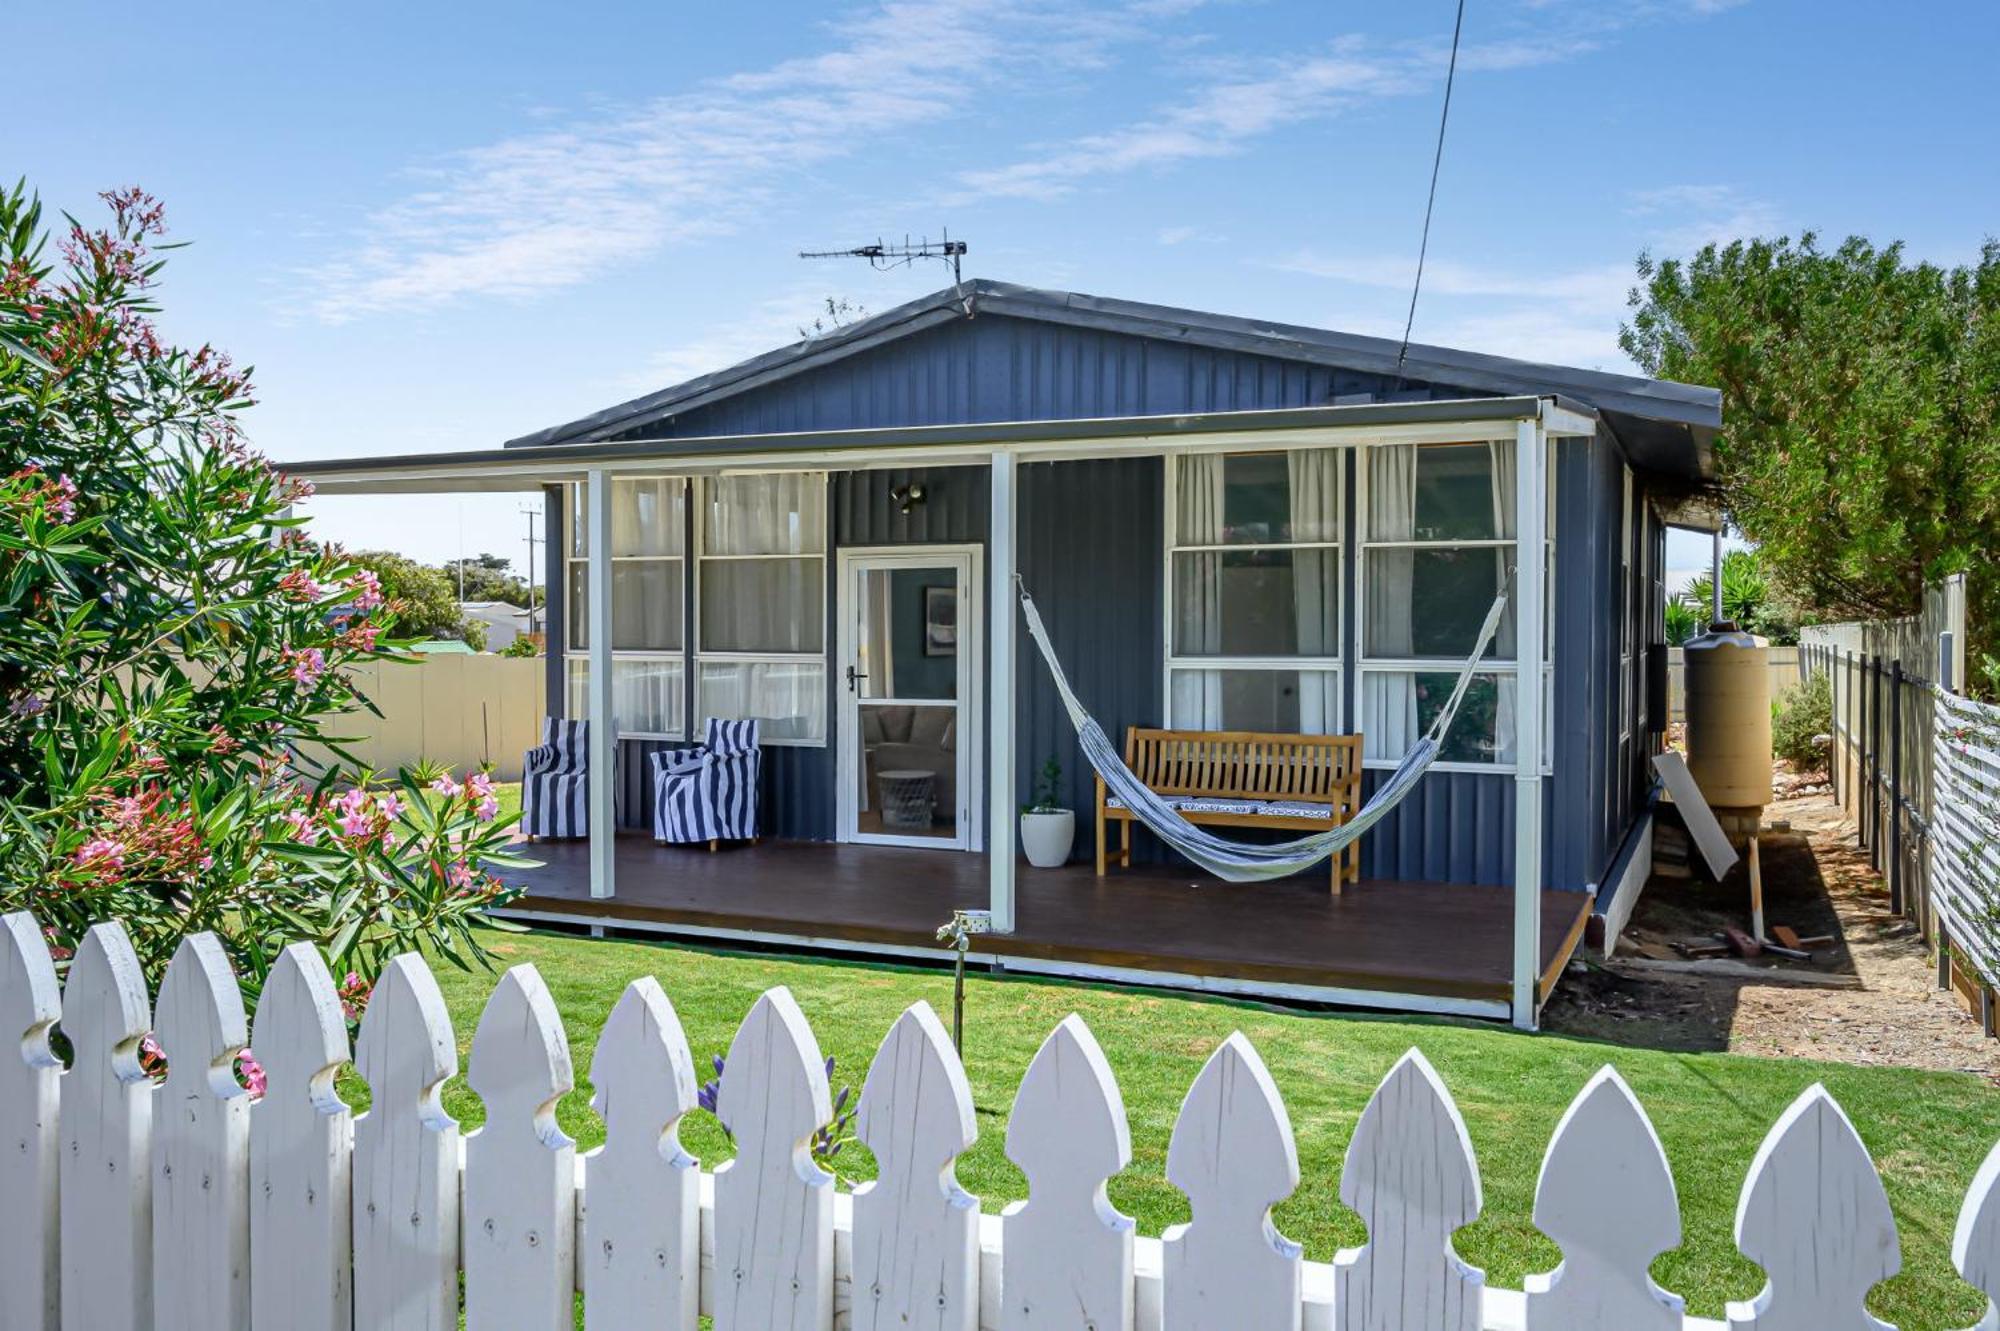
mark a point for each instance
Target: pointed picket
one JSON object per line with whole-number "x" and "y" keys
{"x": 1975, "y": 1242}
{"x": 1066, "y": 1254}
{"x": 201, "y": 1147}
{"x": 107, "y": 1140}
{"x": 1410, "y": 1173}
{"x": 301, "y": 1148}
{"x": 30, "y": 1006}
{"x": 406, "y": 1158}
{"x": 916, "y": 1232}
{"x": 520, "y": 1169}
{"x": 642, "y": 1227}
{"x": 773, "y": 1204}
{"x": 1813, "y": 1214}
{"x": 1606, "y": 1196}
{"x": 1232, "y": 1153}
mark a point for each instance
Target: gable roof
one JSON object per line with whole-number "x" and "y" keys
{"x": 1632, "y": 404}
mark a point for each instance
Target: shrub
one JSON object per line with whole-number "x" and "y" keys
{"x": 169, "y": 642}
{"x": 1801, "y": 722}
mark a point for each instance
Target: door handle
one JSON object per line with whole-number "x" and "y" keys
{"x": 853, "y": 676}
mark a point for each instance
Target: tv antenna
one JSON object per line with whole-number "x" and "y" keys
{"x": 883, "y": 256}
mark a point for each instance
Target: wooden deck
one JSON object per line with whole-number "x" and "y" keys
{"x": 1410, "y": 946}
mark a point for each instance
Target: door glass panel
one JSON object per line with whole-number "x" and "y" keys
{"x": 906, "y": 633}
{"x": 908, "y": 770}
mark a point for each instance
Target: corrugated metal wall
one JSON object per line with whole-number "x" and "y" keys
{"x": 995, "y": 368}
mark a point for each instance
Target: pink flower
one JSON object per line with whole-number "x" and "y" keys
{"x": 479, "y": 785}
{"x": 252, "y": 1075}
{"x": 445, "y": 786}
{"x": 304, "y": 828}
{"x": 205, "y": 863}
{"x": 307, "y": 665}
{"x": 389, "y": 839}
{"x": 488, "y": 810}
{"x": 127, "y": 811}
{"x": 300, "y": 585}
{"x": 367, "y": 589}
{"x": 355, "y": 824}
{"x": 101, "y": 855}
{"x": 354, "y": 801}
{"x": 390, "y": 806}
{"x": 62, "y": 501}
{"x": 459, "y": 875}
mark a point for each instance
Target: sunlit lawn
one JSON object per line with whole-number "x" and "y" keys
{"x": 1929, "y": 1131}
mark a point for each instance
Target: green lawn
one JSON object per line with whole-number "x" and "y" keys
{"x": 1928, "y": 1131}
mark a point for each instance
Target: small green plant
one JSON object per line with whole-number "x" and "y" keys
{"x": 1048, "y": 790}
{"x": 1801, "y": 721}
{"x": 1683, "y": 621}
{"x": 521, "y": 647}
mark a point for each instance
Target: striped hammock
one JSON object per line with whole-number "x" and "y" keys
{"x": 1236, "y": 861}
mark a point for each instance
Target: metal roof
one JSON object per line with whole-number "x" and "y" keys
{"x": 1638, "y": 408}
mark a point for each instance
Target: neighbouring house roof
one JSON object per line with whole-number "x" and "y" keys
{"x": 443, "y": 647}
{"x": 1632, "y": 404}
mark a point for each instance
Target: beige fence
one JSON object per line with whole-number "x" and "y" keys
{"x": 462, "y": 711}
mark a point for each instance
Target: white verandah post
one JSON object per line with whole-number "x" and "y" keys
{"x": 603, "y": 725}
{"x": 1531, "y": 497}
{"x": 1000, "y": 831}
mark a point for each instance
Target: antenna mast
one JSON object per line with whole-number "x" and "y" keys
{"x": 882, "y": 256}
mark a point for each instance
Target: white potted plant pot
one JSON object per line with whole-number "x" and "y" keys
{"x": 1046, "y": 836}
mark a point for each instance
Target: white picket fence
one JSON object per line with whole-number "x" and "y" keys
{"x": 183, "y": 1207}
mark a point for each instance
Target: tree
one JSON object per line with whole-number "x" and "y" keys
{"x": 1750, "y": 597}
{"x": 1860, "y": 442}
{"x": 428, "y": 595}
{"x": 487, "y": 577}
{"x": 170, "y": 642}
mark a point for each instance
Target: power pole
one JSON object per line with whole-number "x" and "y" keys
{"x": 532, "y": 514}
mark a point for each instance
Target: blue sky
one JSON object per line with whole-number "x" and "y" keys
{"x": 434, "y": 229}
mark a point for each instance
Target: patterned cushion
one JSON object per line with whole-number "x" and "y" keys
{"x": 1197, "y": 804}
{"x": 1297, "y": 809}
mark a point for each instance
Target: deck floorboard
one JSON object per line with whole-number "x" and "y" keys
{"x": 1426, "y": 939}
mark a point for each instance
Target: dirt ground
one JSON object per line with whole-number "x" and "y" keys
{"x": 1880, "y": 1004}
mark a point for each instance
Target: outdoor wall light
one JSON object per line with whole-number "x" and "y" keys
{"x": 906, "y": 497}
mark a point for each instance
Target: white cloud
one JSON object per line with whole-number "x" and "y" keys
{"x": 545, "y": 210}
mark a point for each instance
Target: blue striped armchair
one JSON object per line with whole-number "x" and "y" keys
{"x": 709, "y": 793}
{"x": 555, "y": 782}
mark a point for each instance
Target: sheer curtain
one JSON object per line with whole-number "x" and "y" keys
{"x": 1507, "y": 686}
{"x": 763, "y": 594}
{"x": 1196, "y": 703}
{"x": 1315, "y": 493}
{"x": 1389, "y": 699}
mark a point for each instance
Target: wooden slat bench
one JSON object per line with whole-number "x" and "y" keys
{"x": 1241, "y": 778}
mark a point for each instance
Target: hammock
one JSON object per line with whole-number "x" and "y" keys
{"x": 1236, "y": 861}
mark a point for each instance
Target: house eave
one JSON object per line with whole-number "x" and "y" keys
{"x": 504, "y": 469}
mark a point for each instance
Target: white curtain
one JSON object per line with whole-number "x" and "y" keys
{"x": 1196, "y": 702}
{"x": 1315, "y": 497}
{"x": 789, "y": 697}
{"x": 1505, "y": 487}
{"x": 1389, "y": 700}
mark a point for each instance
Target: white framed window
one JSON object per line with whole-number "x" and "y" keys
{"x": 1254, "y": 575}
{"x": 760, "y": 603}
{"x": 648, "y": 600}
{"x": 1437, "y": 543}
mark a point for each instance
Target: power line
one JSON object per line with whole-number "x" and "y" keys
{"x": 1430, "y": 204}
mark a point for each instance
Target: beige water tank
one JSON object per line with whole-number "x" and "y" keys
{"x": 1729, "y": 717}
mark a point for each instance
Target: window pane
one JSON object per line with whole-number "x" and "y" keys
{"x": 646, "y": 605}
{"x": 778, "y": 514}
{"x": 1283, "y": 702}
{"x": 763, "y": 605}
{"x": 1441, "y": 492}
{"x": 1257, "y": 603}
{"x": 788, "y": 697}
{"x": 1422, "y": 602}
{"x": 648, "y": 517}
{"x": 1398, "y": 707}
{"x": 646, "y": 694}
{"x": 1257, "y": 498}
{"x": 576, "y": 606}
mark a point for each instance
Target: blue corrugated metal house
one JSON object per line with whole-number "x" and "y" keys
{"x": 1227, "y": 525}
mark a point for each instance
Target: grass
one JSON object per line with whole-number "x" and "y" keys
{"x": 1927, "y": 1131}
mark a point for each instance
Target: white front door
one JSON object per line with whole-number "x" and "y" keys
{"x": 910, "y": 752}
